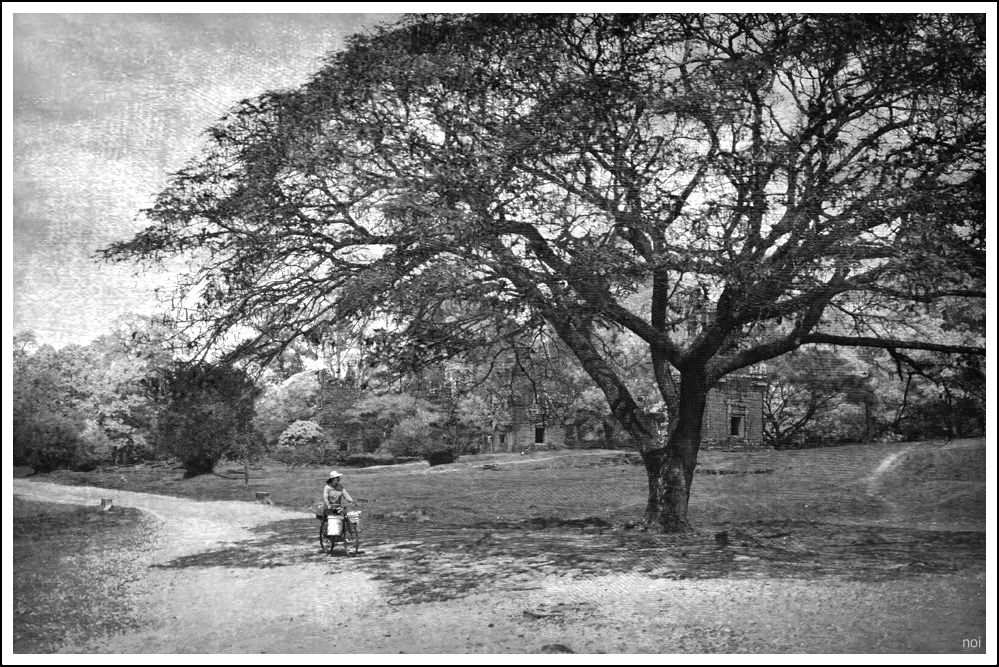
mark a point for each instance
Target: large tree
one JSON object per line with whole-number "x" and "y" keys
{"x": 767, "y": 181}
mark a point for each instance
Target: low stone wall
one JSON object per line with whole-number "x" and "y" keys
{"x": 734, "y": 445}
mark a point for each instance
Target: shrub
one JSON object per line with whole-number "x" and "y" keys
{"x": 47, "y": 444}
{"x": 290, "y": 456}
{"x": 364, "y": 459}
{"x": 441, "y": 456}
{"x": 303, "y": 442}
{"x": 303, "y": 434}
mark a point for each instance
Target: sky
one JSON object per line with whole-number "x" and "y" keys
{"x": 103, "y": 108}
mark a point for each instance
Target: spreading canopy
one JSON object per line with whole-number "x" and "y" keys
{"x": 724, "y": 188}
{"x": 462, "y": 170}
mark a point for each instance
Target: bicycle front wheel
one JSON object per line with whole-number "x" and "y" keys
{"x": 353, "y": 540}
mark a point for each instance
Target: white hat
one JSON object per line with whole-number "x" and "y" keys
{"x": 333, "y": 473}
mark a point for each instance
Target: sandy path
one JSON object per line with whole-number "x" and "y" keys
{"x": 212, "y": 609}
{"x": 330, "y": 605}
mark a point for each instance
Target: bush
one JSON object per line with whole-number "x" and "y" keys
{"x": 303, "y": 442}
{"x": 937, "y": 417}
{"x": 48, "y": 443}
{"x": 290, "y": 456}
{"x": 441, "y": 456}
{"x": 363, "y": 460}
{"x": 304, "y": 435}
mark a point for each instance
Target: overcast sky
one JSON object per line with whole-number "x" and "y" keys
{"x": 105, "y": 106}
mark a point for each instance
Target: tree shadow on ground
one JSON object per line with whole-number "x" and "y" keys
{"x": 276, "y": 544}
{"x": 459, "y": 562}
{"x": 424, "y": 562}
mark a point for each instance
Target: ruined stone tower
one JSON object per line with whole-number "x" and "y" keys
{"x": 530, "y": 426}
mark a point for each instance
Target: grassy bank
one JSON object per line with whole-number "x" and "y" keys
{"x": 70, "y": 572}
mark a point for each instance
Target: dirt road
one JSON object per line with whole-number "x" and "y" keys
{"x": 229, "y": 577}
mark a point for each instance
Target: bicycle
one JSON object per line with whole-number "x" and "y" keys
{"x": 348, "y": 534}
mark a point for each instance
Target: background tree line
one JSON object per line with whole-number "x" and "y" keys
{"x": 124, "y": 397}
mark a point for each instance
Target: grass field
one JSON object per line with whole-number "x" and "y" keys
{"x": 924, "y": 482}
{"x": 68, "y": 572}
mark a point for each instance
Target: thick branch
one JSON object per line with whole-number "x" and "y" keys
{"x": 888, "y": 344}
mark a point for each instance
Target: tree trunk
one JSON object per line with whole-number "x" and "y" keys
{"x": 671, "y": 467}
{"x": 868, "y": 419}
{"x": 610, "y": 434}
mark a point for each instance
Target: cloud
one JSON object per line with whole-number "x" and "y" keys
{"x": 106, "y": 106}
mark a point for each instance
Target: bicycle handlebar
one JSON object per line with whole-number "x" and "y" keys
{"x": 336, "y": 509}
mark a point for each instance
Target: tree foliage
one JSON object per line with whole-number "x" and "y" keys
{"x": 205, "y": 412}
{"x": 806, "y": 396}
{"x": 281, "y": 405}
{"x": 770, "y": 181}
{"x": 301, "y": 442}
{"x": 47, "y": 424}
{"x": 79, "y": 406}
{"x": 371, "y": 422}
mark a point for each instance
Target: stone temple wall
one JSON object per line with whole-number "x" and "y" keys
{"x": 733, "y": 416}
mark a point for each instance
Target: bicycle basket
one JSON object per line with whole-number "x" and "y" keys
{"x": 355, "y": 518}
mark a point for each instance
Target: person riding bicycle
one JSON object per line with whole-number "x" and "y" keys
{"x": 334, "y": 494}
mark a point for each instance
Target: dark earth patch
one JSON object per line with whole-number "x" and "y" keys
{"x": 71, "y": 570}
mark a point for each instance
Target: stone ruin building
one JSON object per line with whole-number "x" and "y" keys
{"x": 733, "y": 417}
{"x": 531, "y": 424}
{"x": 733, "y": 420}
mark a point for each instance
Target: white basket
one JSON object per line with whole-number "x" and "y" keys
{"x": 335, "y": 526}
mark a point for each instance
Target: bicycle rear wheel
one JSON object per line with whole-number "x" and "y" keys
{"x": 326, "y": 541}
